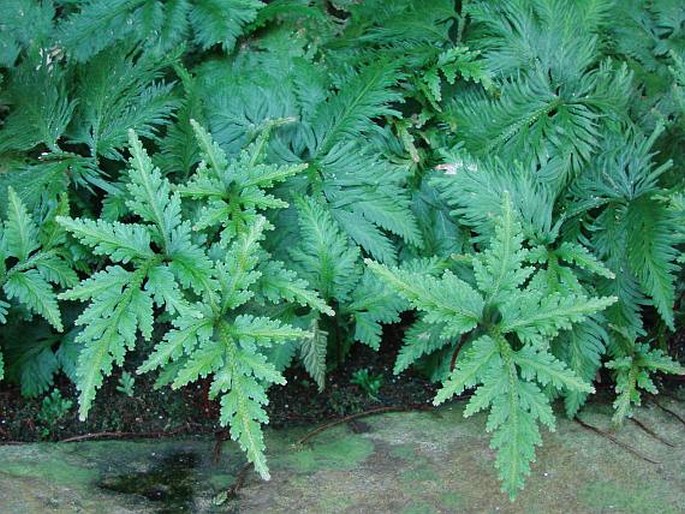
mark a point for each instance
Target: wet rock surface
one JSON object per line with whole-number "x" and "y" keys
{"x": 422, "y": 462}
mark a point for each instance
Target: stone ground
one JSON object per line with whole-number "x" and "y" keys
{"x": 416, "y": 462}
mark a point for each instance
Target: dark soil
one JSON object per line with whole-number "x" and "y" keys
{"x": 188, "y": 411}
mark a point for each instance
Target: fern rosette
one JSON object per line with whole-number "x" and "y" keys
{"x": 507, "y": 320}
{"x": 161, "y": 270}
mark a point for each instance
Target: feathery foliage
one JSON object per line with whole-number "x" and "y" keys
{"x": 32, "y": 269}
{"x": 507, "y": 320}
{"x": 292, "y": 141}
{"x": 157, "y": 265}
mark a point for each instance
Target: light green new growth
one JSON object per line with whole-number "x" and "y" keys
{"x": 633, "y": 372}
{"x": 509, "y": 321}
{"x": 156, "y": 267}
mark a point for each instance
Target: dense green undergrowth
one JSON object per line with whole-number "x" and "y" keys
{"x": 233, "y": 186}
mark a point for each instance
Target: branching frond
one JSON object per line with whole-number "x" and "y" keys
{"x": 447, "y": 300}
{"x": 364, "y": 96}
{"x": 121, "y": 91}
{"x": 633, "y": 372}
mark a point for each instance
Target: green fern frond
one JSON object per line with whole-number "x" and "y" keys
{"x": 546, "y": 369}
{"x": 121, "y": 303}
{"x": 581, "y": 348}
{"x": 361, "y": 186}
{"x": 348, "y": 114}
{"x": 251, "y": 330}
{"x": 178, "y": 150}
{"x": 366, "y": 234}
{"x": 120, "y": 91}
{"x": 237, "y": 273}
{"x": 160, "y": 25}
{"x": 507, "y": 385}
{"x": 119, "y": 241}
{"x": 83, "y": 34}
{"x": 165, "y": 291}
{"x": 404, "y": 22}
{"x": 201, "y": 280}
{"x": 278, "y": 283}
{"x": 447, "y": 300}
{"x": 535, "y": 317}
{"x": 241, "y": 409}
{"x": 634, "y": 230}
{"x": 114, "y": 277}
{"x": 213, "y": 156}
{"x": 221, "y": 21}
{"x": 324, "y": 256}
{"x": 556, "y": 93}
{"x": 388, "y": 208}
{"x": 652, "y": 250}
{"x": 508, "y": 373}
{"x": 499, "y": 271}
{"x": 36, "y": 118}
{"x": 562, "y": 36}
{"x": 4, "y": 308}
{"x": 475, "y": 188}
{"x": 35, "y": 181}
{"x": 633, "y": 372}
{"x": 470, "y": 367}
{"x": 610, "y": 240}
{"x": 24, "y": 25}
{"x": 235, "y": 191}
{"x": 239, "y": 376}
{"x": 28, "y": 279}
{"x": 189, "y": 329}
{"x": 21, "y": 232}
{"x": 516, "y": 433}
{"x": 373, "y": 304}
{"x": 313, "y": 352}
{"x": 30, "y": 288}
{"x": 421, "y": 339}
{"x": 111, "y": 323}
{"x": 574, "y": 253}
{"x": 150, "y": 195}
{"x": 441, "y": 235}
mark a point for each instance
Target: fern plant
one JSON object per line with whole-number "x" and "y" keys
{"x": 345, "y": 131}
{"x": 33, "y": 268}
{"x": 83, "y": 73}
{"x": 506, "y": 319}
{"x": 74, "y": 78}
{"x": 192, "y": 276}
{"x": 159, "y": 25}
{"x": 353, "y": 201}
{"x": 586, "y": 167}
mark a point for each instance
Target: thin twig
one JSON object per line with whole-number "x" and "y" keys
{"x": 651, "y": 432}
{"x": 370, "y": 412}
{"x": 455, "y": 354}
{"x": 220, "y": 437}
{"x": 614, "y": 440}
{"x": 122, "y": 435}
{"x": 240, "y": 478}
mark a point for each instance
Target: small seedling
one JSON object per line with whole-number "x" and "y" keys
{"x": 126, "y": 384}
{"x": 53, "y": 409}
{"x": 369, "y": 383}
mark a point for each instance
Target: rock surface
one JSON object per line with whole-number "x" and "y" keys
{"x": 413, "y": 462}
